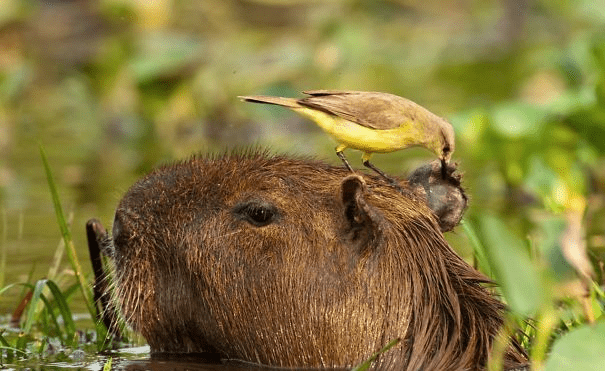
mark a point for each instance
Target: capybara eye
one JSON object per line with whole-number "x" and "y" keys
{"x": 257, "y": 213}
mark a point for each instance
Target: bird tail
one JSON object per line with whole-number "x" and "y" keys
{"x": 286, "y": 102}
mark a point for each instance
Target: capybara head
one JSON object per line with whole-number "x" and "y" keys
{"x": 291, "y": 262}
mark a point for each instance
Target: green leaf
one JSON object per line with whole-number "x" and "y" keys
{"x": 163, "y": 55}
{"x": 516, "y": 119}
{"x": 580, "y": 349}
{"x": 588, "y": 123}
{"x": 553, "y": 228}
{"x": 540, "y": 178}
{"x": 512, "y": 267}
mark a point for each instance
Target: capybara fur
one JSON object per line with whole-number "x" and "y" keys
{"x": 294, "y": 263}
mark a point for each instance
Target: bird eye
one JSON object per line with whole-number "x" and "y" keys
{"x": 257, "y": 213}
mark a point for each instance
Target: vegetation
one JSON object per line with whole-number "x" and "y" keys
{"x": 46, "y": 312}
{"x": 111, "y": 88}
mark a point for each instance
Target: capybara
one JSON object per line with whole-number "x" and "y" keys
{"x": 294, "y": 263}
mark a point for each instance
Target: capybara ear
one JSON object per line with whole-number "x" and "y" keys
{"x": 363, "y": 220}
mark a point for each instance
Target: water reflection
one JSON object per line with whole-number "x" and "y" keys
{"x": 195, "y": 363}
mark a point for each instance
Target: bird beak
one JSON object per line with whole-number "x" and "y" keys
{"x": 444, "y": 164}
{"x": 445, "y": 161}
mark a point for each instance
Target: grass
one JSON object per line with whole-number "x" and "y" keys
{"x": 544, "y": 318}
{"x": 551, "y": 327}
{"x": 67, "y": 239}
{"x": 367, "y": 363}
{"x": 48, "y": 318}
{"x": 3, "y": 248}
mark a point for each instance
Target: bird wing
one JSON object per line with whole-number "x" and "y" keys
{"x": 380, "y": 111}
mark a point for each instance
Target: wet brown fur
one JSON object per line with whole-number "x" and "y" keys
{"x": 347, "y": 265}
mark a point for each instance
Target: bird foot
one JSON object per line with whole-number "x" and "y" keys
{"x": 389, "y": 179}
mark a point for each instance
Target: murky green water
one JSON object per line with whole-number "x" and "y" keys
{"x": 134, "y": 358}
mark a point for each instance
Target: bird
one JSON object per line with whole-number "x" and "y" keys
{"x": 372, "y": 122}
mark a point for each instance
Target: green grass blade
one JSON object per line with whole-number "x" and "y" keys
{"x": 53, "y": 270}
{"x": 27, "y": 285}
{"x": 61, "y": 304}
{"x": 70, "y": 290}
{"x": 71, "y": 251}
{"x": 478, "y": 248}
{"x": 3, "y": 342}
{"x": 12, "y": 349}
{"x": 70, "y": 327}
{"x": 365, "y": 365}
{"x": 3, "y": 247}
{"x": 31, "y": 312}
{"x": 7, "y": 287}
{"x": 47, "y": 314}
{"x": 22, "y": 342}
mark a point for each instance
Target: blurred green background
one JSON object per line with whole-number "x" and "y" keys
{"x": 112, "y": 88}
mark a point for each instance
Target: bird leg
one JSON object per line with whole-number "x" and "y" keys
{"x": 366, "y": 162}
{"x": 392, "y": 181}
{"x": 341, "y": 155}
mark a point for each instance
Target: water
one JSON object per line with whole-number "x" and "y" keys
{"x": 134, "y": 358}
